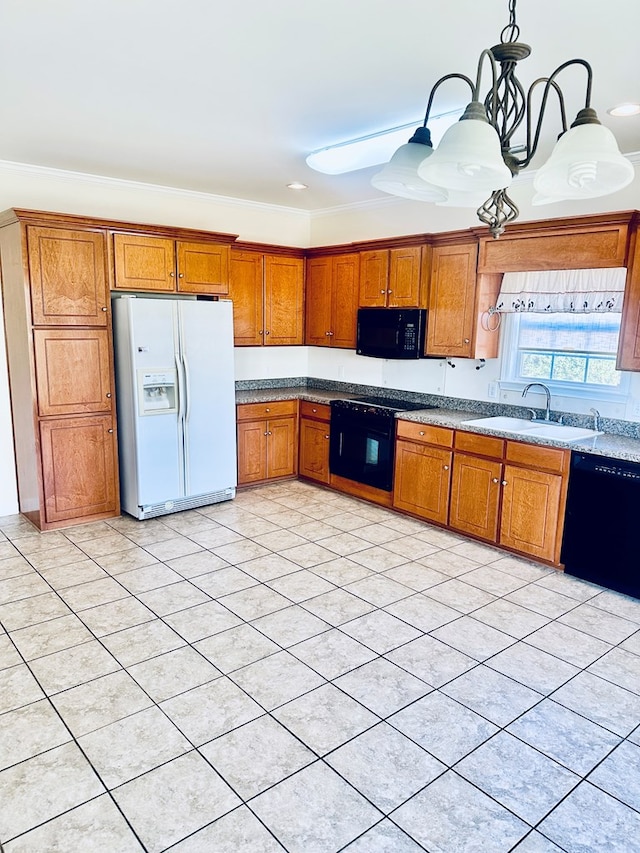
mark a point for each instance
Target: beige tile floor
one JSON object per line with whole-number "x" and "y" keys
{"x": 297, "y": 670}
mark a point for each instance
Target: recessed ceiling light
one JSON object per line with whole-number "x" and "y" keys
{"x": 296, "y": 185}
{"x": 625, "y": 110}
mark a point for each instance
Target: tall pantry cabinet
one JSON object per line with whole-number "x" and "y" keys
{"x": 58, "y": 331}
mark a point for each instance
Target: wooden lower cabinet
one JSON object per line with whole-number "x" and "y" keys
{"x": 313, "y": 461}
{"x": 531, "y": 519}
{"x": 267, "y": 445}
{"x": 516, "y": 499}
{"x": 78, "y": 463}
{"x": 475, "y": 496}
{"x": 422, "y": 475}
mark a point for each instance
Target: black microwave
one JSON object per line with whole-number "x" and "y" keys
{"x": 391, "y": 332}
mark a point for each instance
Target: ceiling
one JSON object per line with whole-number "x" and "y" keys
{"x": 229, "y": 98}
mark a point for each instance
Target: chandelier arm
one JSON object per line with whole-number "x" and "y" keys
{"x": 436, "y": 86}
{"x": 486, "y": 54}
{"x": 532, "y": 146}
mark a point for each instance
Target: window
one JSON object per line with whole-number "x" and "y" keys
{"x": 574, "y": 354}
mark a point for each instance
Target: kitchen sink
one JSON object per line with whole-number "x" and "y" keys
{"x": 534, "y": 429}
{"x": 503, "y": 423}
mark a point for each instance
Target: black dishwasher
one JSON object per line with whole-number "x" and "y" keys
{"x": 602, "y": 525}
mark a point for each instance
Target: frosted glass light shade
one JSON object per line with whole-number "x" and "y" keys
{"x": 400, "y": 175}
{"x": 468, "y": 159}
{"x": 585, "y": 163}
{"x": 457, "y": 198}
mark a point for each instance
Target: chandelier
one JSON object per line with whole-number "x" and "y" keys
{"x": 477, "y": 159}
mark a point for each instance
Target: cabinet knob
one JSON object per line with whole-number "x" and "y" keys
{"x": 314, "y": 410}
{"x": 326, "y": 436}
{"x": 267, "y": 333}
{"x": 389, "y": 291}
{"x": 445, "y": 467}
{"x": 104, "y": 307}
{"x": 467, "y": 341}
{"x": 421, "y": 432}
{"x": 172, "y": 275}
{"x": 327, "y": 334}
{"x": 180, "y": 275}
{"x": 267, "y": 409}
{"x": 504, "y": 483}
{"x": 266, "y": 433}
{"x": 383, "y": 291}
{"x": 110, "y": 430}
{"x": 495, "y": 480}
{"x": 269, "y": 433}
{"x": 108, "y": 394}
{"x": 330, "y": 334}
{"x": 261, "y": 332}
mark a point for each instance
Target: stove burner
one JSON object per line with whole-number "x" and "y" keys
{"x": 382, "y": 406}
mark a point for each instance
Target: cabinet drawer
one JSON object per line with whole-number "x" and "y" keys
{"x": 425, "y": 433}
{"x": 534, "y": 456}
{"x": 255, "y": 411}
{"x": 482, "y": 445}
{"x": 319, "y": 411}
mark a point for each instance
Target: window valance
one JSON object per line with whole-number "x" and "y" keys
{"x": 563, "y": 291}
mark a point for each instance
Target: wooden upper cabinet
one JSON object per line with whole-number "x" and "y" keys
{"x": 319, "y": 301}
{"x": 332, "y": 300}
{"x": 68, "y": 277}
{"x": 283, "y": 300}
{"x": 452, "y": 300}
{"x": 404, "y": 278}
{"x": 390, "y": 278}
{"x": 73, "y": 371}
{"x": 203, "y": 268}
{"x": 165, "y": 265}
{"x": 144, "y": 263}
{"x": 629, "y": 342}
{"x": 245, "y": 290}
{"x": 374, "y": 278}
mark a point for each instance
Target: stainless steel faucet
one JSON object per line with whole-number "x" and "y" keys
{"x": 596, "y": 419}
{"x": 547, "y": 412}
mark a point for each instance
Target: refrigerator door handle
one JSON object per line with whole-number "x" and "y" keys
{"x": 187, "y": 387}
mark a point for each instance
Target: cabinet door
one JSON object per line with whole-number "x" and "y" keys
{"x": 252, "y": 451}
{"x": 78, "y": 467}
{"x": 68, "y": 277}
{"x": 283, "y": 300}
{"x": 318, "y": 302}
{"x": 374, "y": 278}
{"x": 314, "y": 450}
{"x": 452, "y": 300}
{"x": 73, "y": 372}
{"x": 245, "y": 289}
{"x": 422, "y": 479}
{"x": 404, "y": 278}
{"x": 475, "y": 496}
{"x": 203, "y": 268}
{"x": 144, "y": 263}
{"x": 346, "y": 282}
{"x": 531, "y": 512}
{"x": 281, "y": 447}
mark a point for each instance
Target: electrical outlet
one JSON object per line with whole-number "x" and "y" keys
{"x": 492, "y": 390}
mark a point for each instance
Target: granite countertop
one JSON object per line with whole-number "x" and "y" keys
{"x": 613, "y": 446}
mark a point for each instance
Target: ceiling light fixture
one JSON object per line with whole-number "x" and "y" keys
{"x": 478, "y": 158}
{"x": 297, "y": 185}
{"x": 625, "y": 110}
{"x": 373, "y": 149}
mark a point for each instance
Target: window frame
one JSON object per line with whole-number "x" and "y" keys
{"x": 510, "y": 381}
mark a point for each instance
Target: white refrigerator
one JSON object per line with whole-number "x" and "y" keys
{"x": 175, "y": 402}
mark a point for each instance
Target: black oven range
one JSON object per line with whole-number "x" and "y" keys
{"x": 363, "y": 438}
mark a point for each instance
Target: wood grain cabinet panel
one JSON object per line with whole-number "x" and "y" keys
{"x": 267, "y": 445}
{"x": 452, "y": 300}
{"x": 252, "y": 452}
{"x": 68, "y": 277}
{"x": 313, "y": 455}
{"x": 475, "y": 496}
{"x": 268, "y": 299}
{"x": 532, "y": 511}
{"x": 391, "y": 278}
{"x": 73, "y": 371}
{"x": 332, "y": 300}
{"x": 282, "y": 448}
{"x": 78, "y": 456}
{"x": 165, "y": 265}
{"x": 422, "y": 480}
